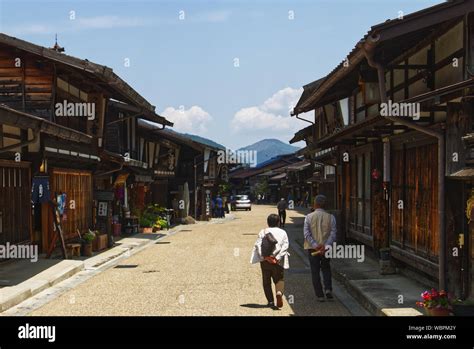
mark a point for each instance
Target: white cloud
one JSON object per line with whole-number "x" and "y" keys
{"x": 272, "y": 115}
{"x": 81, "y": 23}
{"x": 109, "y": 22}
{"x": 283, "y": 101}
{"x": 112, "y": 22}
{"x": 32, "y": 29}
{"x": 192, "y": 120}
{"x": 255, "y": 118}
{"x": 212, "y": 16}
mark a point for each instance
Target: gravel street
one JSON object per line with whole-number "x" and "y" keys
{"x": 202, "y": 270}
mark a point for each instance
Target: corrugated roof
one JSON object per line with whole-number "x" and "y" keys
{"x": 302, "y": 134}
{"x": 307, "y": 92}
{"x": 278, "y": 177}
{"x": 299, "y": 166}
{"x": 174, "y": 136}
{"x": 384, "y": 31}
{"x": 153, "y": 117}
{"x": 465, "y": 173}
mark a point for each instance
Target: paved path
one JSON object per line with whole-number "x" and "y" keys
{"x": 202, "y": 270}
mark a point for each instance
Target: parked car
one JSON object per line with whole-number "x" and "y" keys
{"x": 241, "y": 202}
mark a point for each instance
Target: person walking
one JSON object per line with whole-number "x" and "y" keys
{"x": 271, "y": 251}
{"x": 220, "y": 207}
{"x": 282, "y": 206}
{"x": 320, "y": 231}
{"x": 306, "y": 200}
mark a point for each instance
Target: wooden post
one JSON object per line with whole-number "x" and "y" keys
{"x": 59, "y": 232}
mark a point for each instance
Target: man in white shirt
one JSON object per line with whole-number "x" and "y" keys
{"x": 320, "y": 232}
{"x": 274, "y": 264}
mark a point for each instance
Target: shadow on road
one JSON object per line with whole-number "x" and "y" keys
{"x": 254, "y": 306}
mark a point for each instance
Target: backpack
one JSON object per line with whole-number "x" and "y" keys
{"x": 268, "y": 244}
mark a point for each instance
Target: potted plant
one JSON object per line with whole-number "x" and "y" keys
{"x": 160, "y": 223}
{"x": 436, "y": 303}
{"x": 463, "y": 307}
{"x": 146, "y": 224}
{"x": 87, "y": 239}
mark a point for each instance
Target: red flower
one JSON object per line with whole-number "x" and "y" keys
{"x": 434, "y": 299}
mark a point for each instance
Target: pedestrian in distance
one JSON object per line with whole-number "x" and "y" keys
{"x": 213, "y": 207}
{"x": 220, "y": 207}
{"x": 319, "y": 232}
{"x": 282, "y": 206}
{"x": 271, "y": 251}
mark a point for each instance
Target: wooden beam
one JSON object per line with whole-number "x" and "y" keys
{"x": 390, "y": 127}
{"x": 410, "y": 66}
{"x": 433, "y": 108}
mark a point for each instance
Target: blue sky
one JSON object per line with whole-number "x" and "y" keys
{"x": 226, "y": 70}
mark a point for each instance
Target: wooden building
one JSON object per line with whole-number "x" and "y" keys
{"x": 186, "y": 170}
{"x": 53, "y": 127}
{"x": 244, "y": 179}
{"x": 402, "y": 141}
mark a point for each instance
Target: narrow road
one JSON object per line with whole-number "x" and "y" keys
{"x": 202, "y": 270}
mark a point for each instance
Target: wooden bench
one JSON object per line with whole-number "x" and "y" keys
{"x": 73, "y": 250}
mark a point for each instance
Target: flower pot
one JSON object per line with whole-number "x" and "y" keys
{"x": 463, "y": 309}
{"x": 87, "y": 249}
{"x": 146, "y": 230}
{"x": 438, "y": 311}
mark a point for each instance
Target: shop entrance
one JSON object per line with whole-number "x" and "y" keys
{"x": 72, "y": 190}
{"x": 15, "y": 208}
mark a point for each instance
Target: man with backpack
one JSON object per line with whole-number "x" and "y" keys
{"x": 271, "y": 251}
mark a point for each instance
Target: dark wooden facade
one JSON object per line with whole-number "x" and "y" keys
{"x": 388, "y": 186}
{"x": 36, "y": 140}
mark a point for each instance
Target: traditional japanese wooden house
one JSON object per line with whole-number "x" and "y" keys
{"x": 292, "y": 182}
{"x": 187, "y": 173}
{"x": 244, "y": 179}
{"x": 55, "y": 119}
{"x": 20, "y": 136}
{"x": 404, "y": 159}
{"x": 128, "y": 144}
{"x": 320, "y": 177}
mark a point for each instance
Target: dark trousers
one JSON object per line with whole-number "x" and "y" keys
{"x": 271, "y": 272}
{"x": 319, "y": 264}
{"x": 282, "y": 215}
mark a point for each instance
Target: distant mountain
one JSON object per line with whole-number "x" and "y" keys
{"x": 269, "y": 148}
{"x": 202, "y": 140}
